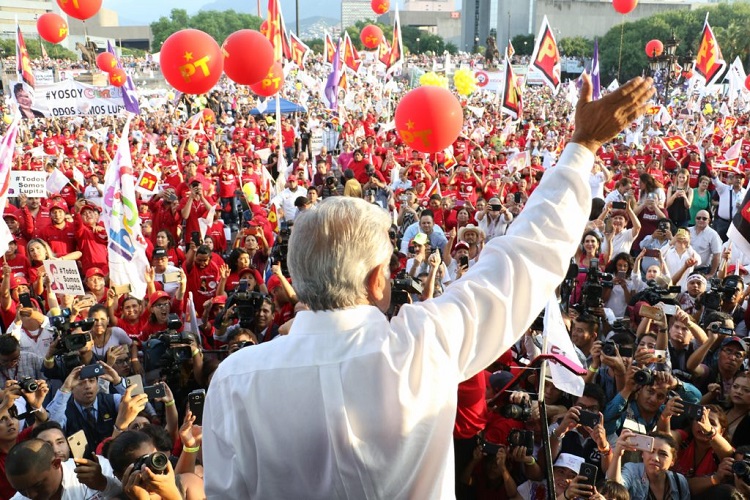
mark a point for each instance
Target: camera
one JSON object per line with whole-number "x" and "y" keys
{"x": 644, "y": 376}
{"x": 520, "y": 412}
{"x": 157, "y": 462}
{"x": 653, "y": 294}
{"x": 280, "y": 248}
{"x": 717, "y": 293}
{"x": 609, "y": 348}
{"x": 403, "y": 285}
{"x": 721, "y": 330}
{"x": 741, "y": 468}
{"x": 28, "y": 385}
{"x": 168, "y": 349}
{"x": 594, "y": 285}
{"x": 522, "y": 437}
{"x": 76, "y": 341}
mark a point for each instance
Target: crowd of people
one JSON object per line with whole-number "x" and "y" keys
{"x": 103, "y": 393}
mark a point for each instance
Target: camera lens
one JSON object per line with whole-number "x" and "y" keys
{"x": 644, "y": 377}
{"x": 159, "y": 462}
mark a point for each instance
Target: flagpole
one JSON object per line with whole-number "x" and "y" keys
{"x": 546, "y": 446}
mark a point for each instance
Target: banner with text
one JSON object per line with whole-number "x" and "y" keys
{"x": 32, "y": 184}
{"x": 71, "y": 98}
{"x": 64, "y": 277}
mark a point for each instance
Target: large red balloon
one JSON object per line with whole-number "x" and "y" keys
{"x": 52, "y": 27}
{"x": 271, "y": 82}
{"x": 117, "y": 77}
{"x": 106, "y": 62}
{"x": 747, "y": 83}
{"x": 624, "y": 6}
{"x": 247, "y": 56}
{"x": 380, "y": 6}
{"x": 429, "y": 119}
{"x": 80, "y": 9}
{"x": 371, "y": 36}
{"x": 654, "y": 48}
{"x": 191, "y": 61}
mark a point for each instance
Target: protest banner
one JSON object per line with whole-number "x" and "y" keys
{"x": 147, "y": 182}
{"x": 64, "y": 277}
{"x": 44, "y": 76}
{"x": 316, "y": 141}
{"x": 32, "y": 184}
{"x": 72, "y": 98}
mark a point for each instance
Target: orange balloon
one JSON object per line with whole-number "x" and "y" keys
{"x": 191, "y": 61}
{"x": 380, "y": 6}
{"x": 429, "y": 119}
{"x": 118, "y": 77}
{"x": 52, "y": 27}
{"x": 80, "y": 9}
{"x": 106, "y": 62}
{"x": 247, "y": 56}
{"x": 271, "y": 83}
{"x": 371, "y": 36}
{"x": 654, "y": 48}
{"x": 624, "y": 6}
{"x": 208, "y": 115}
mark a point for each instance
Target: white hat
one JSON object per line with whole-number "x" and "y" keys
{"x": 569, "y": 461}
{"x": 470, "y": 228}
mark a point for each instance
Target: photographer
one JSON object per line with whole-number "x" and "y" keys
{"x": 489, "y": 474}
{"x": 609, "y": 362}
{"x": 16, "y": 364}
{"x": 652, "y": 477}
{"x": 701, "y": 446}
{"x": 716, "y": 379}
{"x": 689, "y": 299}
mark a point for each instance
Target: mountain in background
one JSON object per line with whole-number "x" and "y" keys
{"x": 307, "y": 8}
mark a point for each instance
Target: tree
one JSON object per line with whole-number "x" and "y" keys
{"x": 218, "y": 24}
{"x": 316, "y": 45}
{"x": 523, "y": 44}
{"x": 577, "y": 46}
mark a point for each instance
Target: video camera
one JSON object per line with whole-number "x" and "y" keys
{"x": 594, "y": 285}
{"x": 169, "y": 348}
{"x": 247, "y": 304}
{"x": 653, "y": 294}
{"x": 403, "y": 285}
{"x": 280, "y": 248}
{"x": 70, "y": 343}
{"x": 718, "y": 292}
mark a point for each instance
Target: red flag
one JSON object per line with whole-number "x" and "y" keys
{"x": 277, "y": 32}
{"x": 273, "y": 218}
{"x": 23, "y": 61}
{"x": 351, "y": 56}
{"x": 546, "y": 57}
{"x": 299, "y": 50}
{"x": 384, "y": 52}
{"x": 674, "y": 144}
{"x": 509, "y": 50}
{"x": 396, "y": 56}
{"x": 512, "y": 101}
{"x": 329, "y": 49}
{"x": 709, "y": 63}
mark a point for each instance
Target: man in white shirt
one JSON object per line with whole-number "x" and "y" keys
{"x": 621, "y": 192}
{"x": 731, "y": 195}
{"x": 706, "y": 241}
{"x": 378, "y": 398}
{"x": 285, "y": 199}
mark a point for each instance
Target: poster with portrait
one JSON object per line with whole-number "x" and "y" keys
{"x": 64, "y": 277}
{"x": 65, "y": 98}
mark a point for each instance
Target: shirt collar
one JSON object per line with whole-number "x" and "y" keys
{"x": 306, "y": 322}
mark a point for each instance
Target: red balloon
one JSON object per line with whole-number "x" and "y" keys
{"x": 264, "y": 28}
{"x": 191, "y": 61}
{"x": 106, "y": 62}
{"x": 208, "y": 115}
{"x": 429, "y": 119}
{"x": 52, "y": 27}
{"x": 247, "y": 56}
{"x": 380, "y": 6}
{"x": 654, "y": 48}
{"x": 747, "y": 83}
{"x": 624, "y": 6}
{"x": 271, "y": 83}
{"x": 117, "y": 77}
{"x": 80, "y": 9}
{"x": 371, "y": 36}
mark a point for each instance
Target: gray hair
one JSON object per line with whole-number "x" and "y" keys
{"x": 333, "y": 249}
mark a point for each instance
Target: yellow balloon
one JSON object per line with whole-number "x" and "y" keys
{"x": 7, "y": 119}
{"x": 433, "y": 79}
{"x": 298, "y": 86}
{"x": 192, "y": 147}
{"x": 464, "y": 81}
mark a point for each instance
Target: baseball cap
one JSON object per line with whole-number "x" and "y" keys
{"x": 735, "y": 340}
{"x": 159, "y": 252}
{"x": 274, "y": 282}
{"x": 159, "y": 294}
{"x": 11, "y": 216}
{"x": 94, "y": 271}
{"x": 58, "y": 204}
{"x": 90, "y": 206}
{"x": 249, "y": 270}
{"x": 16, "y": 281}
{"x": 219, "y": 300}
{"x": 420, "y": 239}
{"x": 461, "y": 245}
{"x": 569, "y": 461}
{"x": 292, "y": 178}
{"x": 500, "y": 379}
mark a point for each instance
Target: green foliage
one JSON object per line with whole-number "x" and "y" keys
{"x": 521, "y": 48}
{"x": 316, "y": 45}
{"x": 409, "y": 34}
{"x": 8, "y": 48}
{"x": 731, "y": 25}
{"x": 576, "y": 47}
{"x": 218, "y": 24}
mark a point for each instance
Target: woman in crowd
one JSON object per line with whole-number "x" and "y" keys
{"x": 175, "y": 254}
{"x": 701, "y": 199}
{"x": 679, "y": 199}
{"x": 680, "y": 258}
{"x": 625, "y": 283}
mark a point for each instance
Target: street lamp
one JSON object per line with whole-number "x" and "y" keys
{"x": 417, "y": 45}
{"x": 476, "y": 44}
{"x": 669, "y": 65}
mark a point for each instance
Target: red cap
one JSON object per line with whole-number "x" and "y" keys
{"x": 16, "y": 281}
{"x": 91, "y": 206}
{"x": 94, "y": 271}
{"x": 273, "y": 283}
{"x": 254, "y": 272}
{"x": 160, "y": 294}
{"x": 219, "y": 300}
{"x": 58, "y": 204}
{"x": 292, "y": 178}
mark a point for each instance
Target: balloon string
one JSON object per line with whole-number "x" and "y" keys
{"x": 619, "y": 57}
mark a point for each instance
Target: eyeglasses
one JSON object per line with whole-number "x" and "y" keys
{"x": 162, "y": 305}
{"x": 733, "y": 354}
{"x": 701, "y": 218}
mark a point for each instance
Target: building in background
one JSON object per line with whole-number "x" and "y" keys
{"x": 355, "y": 10}
{"x": 428, "y": 6}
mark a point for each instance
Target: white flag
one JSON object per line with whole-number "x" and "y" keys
{"x": 56, "y": 182}
{"x": 559, "y": 342}
{"x": 127, "y": 247}
{"x": 614, "y": 85}
{"x": 7, "y": 147}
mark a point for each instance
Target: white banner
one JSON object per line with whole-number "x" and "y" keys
{"x": 69, "y": 74}
{"x": 559, "y": 342}
{"x": 64, "y": 277}
{"x": 316, "y": 141}
{"x": 44, "y": 76}
{"x": 32, "y": 184}
{"x": 69, "y": 98}
{"x": 127, "y": 247}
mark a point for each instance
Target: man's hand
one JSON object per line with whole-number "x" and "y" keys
{"x": 598, "y": 121}
{"x": 72, "y": 379}
{"x": 36, "y": 398}
{"x": 110, "y": 374}
{"x": 191, "y": 435}
{"x": 130, "y": 407}
{"x": 89, "y": 472}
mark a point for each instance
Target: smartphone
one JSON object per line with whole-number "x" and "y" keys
{"x": 91, "y": 371}
{"x": 660, "y": 356}
{"x": 463, "y": 261}
{"x": 669, "y": 309}
{"x": 196, "y": 399}
{"x": 155, "y": 391}
{"x": 623, "y": 275}
{"x": 642, "y": 442}
{"x": 78, "y": 444}
{"x": 626, "y": 352}
{"x": 692, "y": 410}
{"x": 137, "y": 381}
{"x": 608, "y": 228}
{"x": 588, "y": 418}
{"x": 24, "y": 299}
{"x": 195, "y": 236}
{"x": 619, "y": 205}
{"x": 589, "y": 472}
{"x": 651, "y": 312}
{"x": 172, "y": 277}
{"x": 122, "y": 289}
{"x": 460, "y": 203}
{"x": 653, "y": 252}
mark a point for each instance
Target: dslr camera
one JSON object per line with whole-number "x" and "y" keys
{"x": 156, "y": 462}
{"x": 741, "y": 468}
{"x": 28, "y": 385}
{"x": 520, "y": 412}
